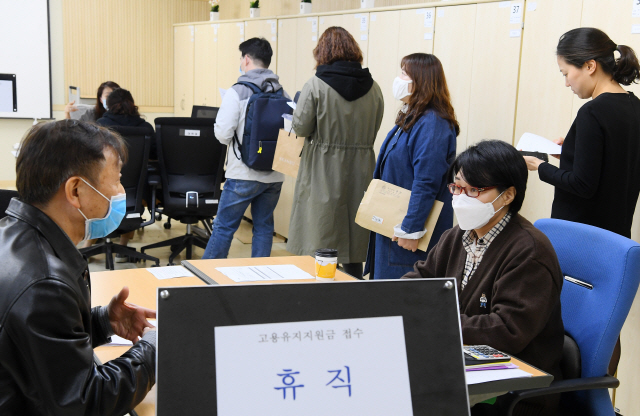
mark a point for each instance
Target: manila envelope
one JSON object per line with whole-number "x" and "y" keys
{"x": 385, "y": 205}
{"x": 286, "y": 158}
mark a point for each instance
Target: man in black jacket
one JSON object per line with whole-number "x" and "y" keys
{"x": 68, "y": 178}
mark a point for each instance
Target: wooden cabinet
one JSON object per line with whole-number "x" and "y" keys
{"x": 205, "y": 86}
{"x": 183, "y": 53}
{"x": 264, "y": 28}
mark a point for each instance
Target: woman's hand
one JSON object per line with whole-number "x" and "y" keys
{"x": 411, "y": 245}
{"x": 560, "y": 141}
{"x": 532, "y": 162}
{"x": 70, "y": 108}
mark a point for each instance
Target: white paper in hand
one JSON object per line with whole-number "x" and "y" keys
{"x": 222, "y": 92}
{"x": 292, "y": 105}
{"x": 530, "y": 142}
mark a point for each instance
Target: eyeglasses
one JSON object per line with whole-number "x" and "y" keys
{"x": 470, "y": 191}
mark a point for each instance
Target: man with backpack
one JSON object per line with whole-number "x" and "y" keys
{"x": 248, "y": 121}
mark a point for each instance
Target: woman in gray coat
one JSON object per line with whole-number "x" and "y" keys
{"x": 339, "y": 112}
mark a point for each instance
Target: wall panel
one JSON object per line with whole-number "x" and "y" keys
{"x": 205, "y": 91}
{"x": 453, "y": 45}
{"x": 494, "y": 74}
{"x": 184, "y": 41}
{"x": 544, "y": 104}
{"x": 130, "y": 42}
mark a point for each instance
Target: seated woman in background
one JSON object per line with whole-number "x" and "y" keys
{"x": 416, "y": 155}
{"x": 101, "y": 103}
{"x": 123, "y": 112}
{"x": 508, "y": 277}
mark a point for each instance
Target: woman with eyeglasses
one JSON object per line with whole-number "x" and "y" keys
{"x": 416, "y": 155}
{"x": 508, "y": 277}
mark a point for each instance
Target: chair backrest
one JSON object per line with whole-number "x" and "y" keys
{"x": 201, "y": 111}
{"x": 134, "y": 172}
{"x": 190, "y": 159}
{"x": 5, "y": 199}
{"x": 602, "y": 273}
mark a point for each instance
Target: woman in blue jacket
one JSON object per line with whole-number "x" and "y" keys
{"x": 416, "y": 155}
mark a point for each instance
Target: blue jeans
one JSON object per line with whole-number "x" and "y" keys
{"x": 236, "y": 197}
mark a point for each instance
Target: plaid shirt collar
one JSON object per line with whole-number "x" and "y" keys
{"x": 469, "y": 237}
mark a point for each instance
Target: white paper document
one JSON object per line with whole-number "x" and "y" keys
{"x": 293, "y": 105}
{"x": 530, "y": 142}
{"x": 257, "y": 273}
{"x": 169, "y": 272}
{"x": 477, "y": 377}
{"x": 331, "y": 367}
{"x": 222, "y": 92}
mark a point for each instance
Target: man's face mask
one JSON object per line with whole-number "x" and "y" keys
{"x": 102, "y": 227}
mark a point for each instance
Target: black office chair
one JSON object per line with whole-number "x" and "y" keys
{"x": 191, "y": 164}
{"x": 201, "y": 111}
{"x": 134, "y": 181}
{"x": 5, "y": 199}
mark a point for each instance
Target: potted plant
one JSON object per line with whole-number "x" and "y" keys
{"x": 254, "y": 9}
{"x": 305, "y": 6}
{"x": 214, "y": 14}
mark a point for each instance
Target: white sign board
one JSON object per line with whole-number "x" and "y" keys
{"x": 331, "y": 367}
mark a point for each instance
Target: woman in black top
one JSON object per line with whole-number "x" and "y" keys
{"x": 597, "y": 182}
{"x": 122, "y": 111}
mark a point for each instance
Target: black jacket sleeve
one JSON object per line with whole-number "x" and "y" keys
{"x": 584, "y": 178}
{"x": 45, "y": 324}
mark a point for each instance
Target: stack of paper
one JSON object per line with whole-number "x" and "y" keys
{"x": 258, "y": 273}
{"x": 530, "y": 142}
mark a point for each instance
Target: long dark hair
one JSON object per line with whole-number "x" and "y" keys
{"x": 430, "y": 91}
{"x": 580, "y": 45}
{"x": 99, "y": 109}
{"x": 120, "y": 101}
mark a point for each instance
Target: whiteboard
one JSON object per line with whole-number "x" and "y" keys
{"x": 25, "y": 52}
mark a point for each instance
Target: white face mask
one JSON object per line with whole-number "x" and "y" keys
{"x": 401, "y": 88}
{"x": 104, "y": 104}
{"x": 472, "y": 213}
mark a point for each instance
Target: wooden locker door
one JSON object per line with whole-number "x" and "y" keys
{"x": 307, "y": 39}
{"x": 384, "y": 64}
{"x": 453, "y": 45}
{"x": 230, "y": 35}
{"x": 494, "y": 75}
{"x": 544, "y": 104}
{"x": 415, "y": 31}
{"x": 183, "y": 41}
{"x": 615, "y": 19}
{"x": 267, "y": 29}
{"x": 205, "y": 91}
{"x": 286, "y": 62}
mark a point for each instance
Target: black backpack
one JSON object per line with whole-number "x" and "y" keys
{"x": 262, "y": 125}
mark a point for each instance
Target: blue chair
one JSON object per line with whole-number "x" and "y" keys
{"x": 602, "y": 273}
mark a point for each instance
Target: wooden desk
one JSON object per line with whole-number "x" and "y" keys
{"x": 142, "y": 291}
{"x": 208, "y": 267}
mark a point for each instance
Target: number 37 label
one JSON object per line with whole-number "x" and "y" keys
{"x": 515, "y": 15}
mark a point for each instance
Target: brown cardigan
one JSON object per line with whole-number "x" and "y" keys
{"x": 520, "y": 276}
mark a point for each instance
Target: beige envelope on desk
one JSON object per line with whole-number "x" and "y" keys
{"x": 385, "y": 205}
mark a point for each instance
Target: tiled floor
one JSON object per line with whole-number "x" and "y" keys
{"x": 156, "y": 233}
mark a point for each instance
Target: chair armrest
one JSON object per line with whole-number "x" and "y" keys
{"x": 563, "y": 386}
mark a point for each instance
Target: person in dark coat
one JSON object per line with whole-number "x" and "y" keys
{"x": 508, "y": 276}
{"x": 416, "y": 155}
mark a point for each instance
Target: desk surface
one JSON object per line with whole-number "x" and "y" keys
{"x": 142, "y": 291}
{"x": 306, "y": 263}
